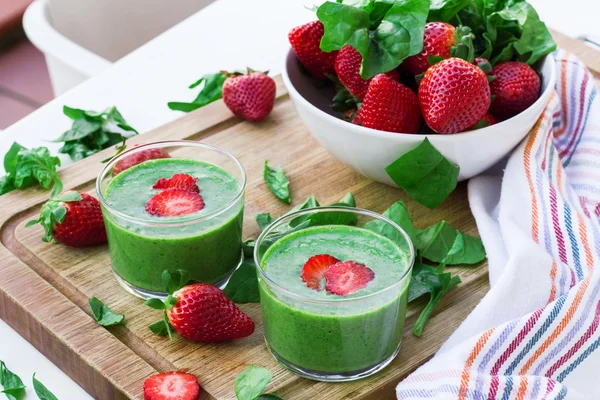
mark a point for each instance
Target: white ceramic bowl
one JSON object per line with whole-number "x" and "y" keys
{"x": 369, "y": 151}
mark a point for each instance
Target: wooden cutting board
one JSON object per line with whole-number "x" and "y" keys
{"x": 45, "y": 288}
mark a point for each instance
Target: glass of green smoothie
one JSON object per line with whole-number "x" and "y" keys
{"x": 182, "y": 209}
{"x": 333, "y": 287}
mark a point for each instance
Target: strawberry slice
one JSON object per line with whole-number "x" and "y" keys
{"x": 314, "y": 270}
{"x": 171, "y": 386}
{"x": 347, "y": 277}
{"x": 178, "y": 181}
{"x": 174, "y": 202}
{"x": 138, "y": 158}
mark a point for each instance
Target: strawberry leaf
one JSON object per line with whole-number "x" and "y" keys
{"x": 173, "y": 281}
{"x": 210, "y": 91}
{"x": 42, "y": 391}
{"x": 103, "y": 315}
{"x": 53, "y": 212}
{"x": 159, "y": 328}
{"x": 157, "y": 304}
{"x": 13, "y": 386}
{"x": 277, "y": 182}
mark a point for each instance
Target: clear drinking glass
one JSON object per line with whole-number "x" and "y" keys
{"x": 319, "y": 335}
{"x": 206, "y": 243}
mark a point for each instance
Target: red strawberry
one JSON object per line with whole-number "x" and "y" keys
{"x": 439, "y": 40}
{"x": 174, "y": 202}
{"x": 490, "y": 119}
{"x": 250, "y": 96}
{"x": 390, "y": 106}
{"x": 454, "y": 95}
{"x": 347, "y": 277}
{"x": 178, "y": 181}
{"x": 347, "y": 68}
{"x": 203, "y": 313}
{"x": 73, "y": 218}
{"x": 306, "y": 43}
{"x": 138, "y": 158}
{"x": 171, "y": 386}
{"x": 314, "y": 270}
{"x": 479, "y": 60}
{"x": 516, "y": 88}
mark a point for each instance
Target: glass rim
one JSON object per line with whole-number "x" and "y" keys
{"x": 355, "y": 210}
{"x": 162, "y": 144}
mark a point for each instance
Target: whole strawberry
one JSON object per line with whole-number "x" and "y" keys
{"x": 250, "y": 96}
{"x": 73, "y": 219}
{"x": 347, "y": 68}
{"x": 454, "y": 95}
{"x": 138, "y": 158}
{"x": 199, "y": 312}
{"x": 440, "y": 39}
{"x": 306, "y": 43}
{"x": 516, "y": 88}
{"x": 389, "y": 106}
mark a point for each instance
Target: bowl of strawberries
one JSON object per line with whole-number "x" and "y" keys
{"x": 371, "y": 80}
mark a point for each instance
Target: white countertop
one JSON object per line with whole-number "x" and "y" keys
{"x": 228, "y": 34}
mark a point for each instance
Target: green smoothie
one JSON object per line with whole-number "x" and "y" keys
{"x": 325, "y": 332}
{"x": 206, "y": 243}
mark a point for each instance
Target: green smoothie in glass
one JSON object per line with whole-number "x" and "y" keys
{"x": 318, "y": 333}
{"x": 206, "y": 243}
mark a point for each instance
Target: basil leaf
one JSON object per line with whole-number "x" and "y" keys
{"x": 243, "y": 284}
{"x": 263, "y": 220}
{"x": 29, "y": 166}
{"x": 436, "y": 243}
{"x": 211, "y": 90}
{"x": 250, "y": 383}
{"x": 399, "y": 32}
{"x": 73, "y": 113}
{"x": 81, "y": 128}
{"x": 114, "y": 116}
{"x": 425, "y": 175}
{"x": 278, "y": 183}
{"x": 11, "y": 157}
{"x": 6, "y": 184}
{"x": 103, "y": 315}
{"x": 398, "y": 213}
{"x": 42, "y": 392}
{"x": 12, "y": 385}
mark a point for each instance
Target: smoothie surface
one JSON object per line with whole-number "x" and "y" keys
{"x": 129, "y": 191}
{"x": 284, "y": 260}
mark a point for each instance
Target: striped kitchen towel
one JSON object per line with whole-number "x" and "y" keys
{"x": 535, "y": 334}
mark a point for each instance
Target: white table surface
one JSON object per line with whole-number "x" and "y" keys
{"x": 228, "y": 34}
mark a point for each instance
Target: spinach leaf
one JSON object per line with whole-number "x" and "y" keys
{"x": 263, "y": 220}
{"x": 277, "y": 182}
{"x": 445, "y": 10}
{"x": 425, "y": 175}
{"x": 13, "y": 386}
{"x": 443, "y": 243}
{"x": 243, "y": 284}
{"x": 211, "y": 90}
{"x": 398, "y": 213}
{"x": 250, "y": 383}
{"x": 93, "y": 131}
{"x": 248, "y": 248}
{"x": 394, "y": 33}
{"x": 103, "y": 315}
{"x": 42, "y": 391}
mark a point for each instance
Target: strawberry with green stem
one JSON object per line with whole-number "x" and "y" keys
{"x": 306, "y": 43}
{"x": 73, "y": 219}
{"x": 251, "y": 95}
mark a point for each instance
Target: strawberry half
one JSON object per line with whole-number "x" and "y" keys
{"x": 250, "y": 96}
{"x": 171, "y": 386}
{"x": 73, "y": 219}
{"x": 174, "y": 202}
{"x": 306, "y": 43}
{"x": 203, "y": 313}
{"x": 347, "y": 277}
{"x": 138, "y": 158}
{"x": 314, "y": 270}
{"x": 178, "y": 181}
{"x": 347, "y": 68}
{"x": 516, "y": 88}
{"x": 389, "y": 106}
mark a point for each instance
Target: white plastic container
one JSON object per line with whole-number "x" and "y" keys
{"x": 81, "y": 38}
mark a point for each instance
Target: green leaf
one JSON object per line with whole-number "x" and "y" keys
{"x": 269, "y": 396}
{"x": 425, "y": 175}
{"x": 103, "y": 315}
{"x": 445, "y": 10}
{"x": 436, "y": 242}
{"x": 248, "y": 248}
{"x": 170, "y": 301}
{"x": 278, "y": 183}
{"x": 159, "y": 328}
{"x": 344, "y": 24}
{"x": 11, "y": 157}
{"x": 12, "y": 385}
{"x": 81, "y": 129}
{"x": 174, "y": 280}
{"x": 6, "y": 184}
{"x": 157, "y": 304}
{"x": 263, "y": 220}
{"x": 535, "y": 41}
{"x": 250, "y": 383}
{"x": 73, "y": 113}
{"x": 42, "y": 392}
{"x": 28, "y": 167}
{"x": 211, "y": 90}
{"x": 114, "y": 116}
{"x": 243, "y": 284}
{"x": 53, "y": 211}
{"x": 398, "y": 213}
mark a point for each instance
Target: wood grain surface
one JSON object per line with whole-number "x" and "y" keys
{"x": 45, "y": 288}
